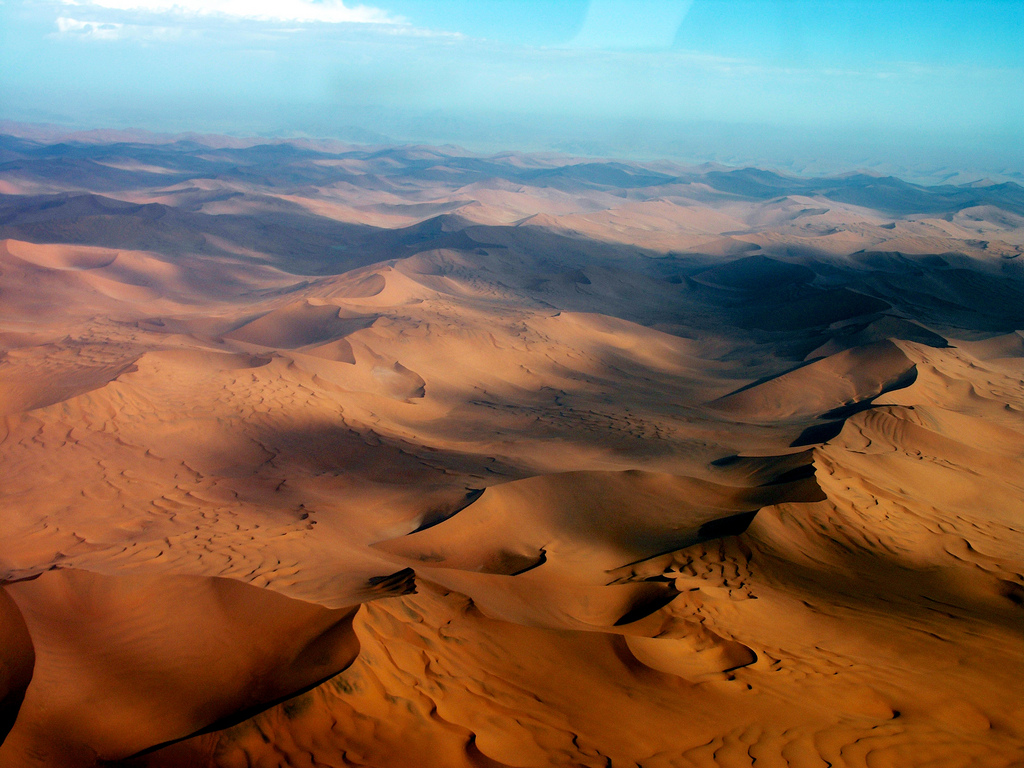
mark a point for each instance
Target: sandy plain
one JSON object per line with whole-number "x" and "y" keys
{"x": 317, "y": 455}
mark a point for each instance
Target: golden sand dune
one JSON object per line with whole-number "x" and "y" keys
{"x": 412, "y": 457}
{"x": 587, "y": 523}
{"x": 302, "y": 324}
{"x": 126, "y": 662}
{"x": 846, "y": 379}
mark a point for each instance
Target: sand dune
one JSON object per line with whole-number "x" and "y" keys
{"x": 588, "y": 523}
{"x": 128, "y": 662}
{"x": 300, "y": 325}
{"x": 325, "y": 455}
{"x": 18, "y": 663}
{"x": 841, "y": 381}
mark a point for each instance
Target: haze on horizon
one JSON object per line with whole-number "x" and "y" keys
{"x": 910, "y": 87}
{"x": 381, "y": 454}
{"x": 518, "y": 461}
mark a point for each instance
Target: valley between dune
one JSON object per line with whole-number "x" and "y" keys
{"x": 321, "y": 455}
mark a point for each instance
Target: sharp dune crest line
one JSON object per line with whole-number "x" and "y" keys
{"x": 405, "y": 456}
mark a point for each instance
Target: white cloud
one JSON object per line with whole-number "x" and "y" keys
{"x": 93, "y": 30}
{"x": 296, "y": 11}
{"x": 109, "y": 30}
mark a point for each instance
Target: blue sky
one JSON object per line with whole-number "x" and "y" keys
{"x": 842, "y": 80}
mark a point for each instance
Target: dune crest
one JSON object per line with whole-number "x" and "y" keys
{"x": 325, "y": 455}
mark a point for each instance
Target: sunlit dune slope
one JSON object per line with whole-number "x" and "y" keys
{"x": 315, "y": 455}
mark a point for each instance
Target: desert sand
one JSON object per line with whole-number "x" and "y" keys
{"x": 321, "y": 455}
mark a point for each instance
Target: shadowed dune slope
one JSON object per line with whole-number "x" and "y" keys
{"x": 317, "y": 455}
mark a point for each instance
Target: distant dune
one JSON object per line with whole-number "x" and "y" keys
{"x": 316, "y": 454}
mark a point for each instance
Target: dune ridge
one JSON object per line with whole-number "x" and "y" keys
{"x": 327, "y": 455}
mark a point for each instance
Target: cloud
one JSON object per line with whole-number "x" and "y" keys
{"x": 109, "y": 30}
{"x": 294, "y": 11}
{"x": 89, "y": 29}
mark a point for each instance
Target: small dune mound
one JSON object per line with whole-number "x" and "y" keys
{"x": 398, "y": 382}
{"x": 1001, "y": 346}
{"x": 399, "y": 285}
{"x": 200, "y": 360}
{"x": 18, "y": 340}
{"x": 987, "y": 217}
{"x": 65, "y": 274}
{"x": 544, "y": 220}
{"x": 42, "y": 382}
{"x": 702, "y": 654}
{"x": 338, "y": 351}
{"x": 441, "y": 511}
{"x": 763, "y": 470}
{"x": 362, "y": 288}
{"x": 61, "y": 257}
{"x": 299, "y": 325}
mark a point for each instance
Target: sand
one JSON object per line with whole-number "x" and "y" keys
{"x": 404, "y": 456}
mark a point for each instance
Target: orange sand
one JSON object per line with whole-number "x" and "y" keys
{"x": 682, "y": 472}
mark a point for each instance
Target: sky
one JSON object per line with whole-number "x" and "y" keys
{"x": 804, "y": 84}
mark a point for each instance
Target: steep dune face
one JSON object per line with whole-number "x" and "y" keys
{"x": 299, "y": 325}
{"x": 535, "y": 461}
{"x": 126, "y": 662}
{"x": 851, "y": 378}
{"x": 587, "y": 522}
{"x": 761, "y": 648}
{"x": 561, "y": 535}
{"x": 17, "y": 663}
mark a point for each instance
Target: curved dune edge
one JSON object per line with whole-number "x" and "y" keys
{"x": 822, "y": 387}
{"x": 689, "y": 467}
{"x": 781, "y": 591}
{"x": 177, "y": 628}
{"x": 125, "y": 663}
{"x": 17, "y": 662}
{"x": 550, "y": 550}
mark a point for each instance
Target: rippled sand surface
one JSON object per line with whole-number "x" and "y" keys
{"x": 317, "y": 455}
